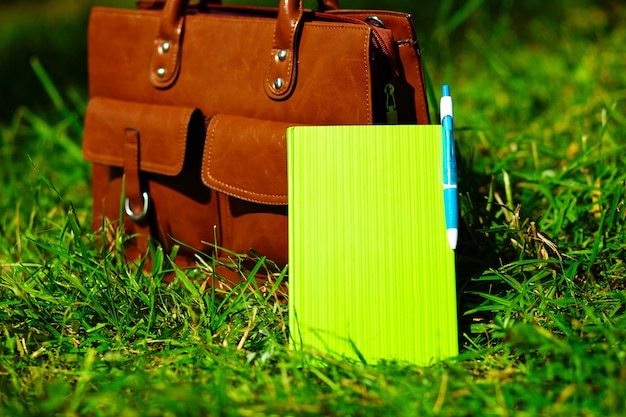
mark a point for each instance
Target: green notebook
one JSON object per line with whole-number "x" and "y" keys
{"x": 371, "y": 273}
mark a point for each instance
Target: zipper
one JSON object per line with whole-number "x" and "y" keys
{"x": 390, "y": 104}
{"x": 383, "y": 66}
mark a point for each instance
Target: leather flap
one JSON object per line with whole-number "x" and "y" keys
{"x": 162, "y": 134}
{"x": 246, "y": 158}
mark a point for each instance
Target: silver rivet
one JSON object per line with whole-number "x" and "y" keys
{"x": 165, "y": 46}
{"x": 160, "y": 72}
{"x": 278, "y": 83}
{"x": 281, "y": 55}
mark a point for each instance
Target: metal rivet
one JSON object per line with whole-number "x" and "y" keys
{"x": 281, "y": 55}
{"x": 160, "y": 72}
{"x": 165, "y": 46}
{"x": 278, "y": 83}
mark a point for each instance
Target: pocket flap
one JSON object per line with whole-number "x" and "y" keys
{"x": 246, "y": 158}
{"x": 162, "y": 131}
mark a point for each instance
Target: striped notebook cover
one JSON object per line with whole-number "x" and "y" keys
{"x": 371, "y": 273}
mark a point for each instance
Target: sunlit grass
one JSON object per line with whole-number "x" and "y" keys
{"x": 541, "y": 133}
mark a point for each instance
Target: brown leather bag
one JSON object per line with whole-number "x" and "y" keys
{"x": 189, "y": 104}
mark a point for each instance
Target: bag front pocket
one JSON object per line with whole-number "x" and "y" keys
{"x": 168, "y": 174}
{"x": 146, "y": 166}
{"x": 245, "y": 159}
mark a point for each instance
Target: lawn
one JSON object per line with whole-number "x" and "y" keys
{"x": 540, "y": 100}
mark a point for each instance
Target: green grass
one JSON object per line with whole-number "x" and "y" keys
{"x": 539, "y": 104}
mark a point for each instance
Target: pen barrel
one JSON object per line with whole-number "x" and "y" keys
{"x": 449, "y": 153}
{"x": 451, "y": 206}
{"x": 450, "y": 192}
{"x": 449, "y": 172}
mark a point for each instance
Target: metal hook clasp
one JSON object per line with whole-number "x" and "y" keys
{"x": 375, "y": 21}
{"x": 144, "y": 210}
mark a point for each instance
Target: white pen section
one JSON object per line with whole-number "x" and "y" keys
{"x": 445, "y": 107}
{"x": 453, "y": 237}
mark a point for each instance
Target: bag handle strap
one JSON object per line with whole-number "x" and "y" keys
{"x": 165, "y": 61}
{"x": 280, "y": 76}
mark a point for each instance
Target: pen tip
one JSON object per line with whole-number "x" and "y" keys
{"x": 445, "y": 90}
{"x": 453, "y": 236}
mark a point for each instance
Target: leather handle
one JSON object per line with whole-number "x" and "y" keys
{"x": 165, "y": 63}
{"x": 281, "y": 72}
{"x": 280, "y": 76}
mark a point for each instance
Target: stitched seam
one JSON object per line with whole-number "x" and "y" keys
{"x": 292, "y": 45}
{"x": 146, "y": 165}
{"x": 367, "y": 78}
{"x": 168, "y": 169}
{"x": 269, "y": 69}
{"x": 102, "y": 159}
{"x": 207, "y": 169}
{"x": 131, "y": 150}
{"x": 185, "y": 120}
{"x": 206, "y": 166}
{"x": 366, "y": 65}
{"x": 173, "y": 60}
{"x": 422, "y": 104}
{"x": 292, "y": 56}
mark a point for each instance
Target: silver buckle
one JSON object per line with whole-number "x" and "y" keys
{"x": 144, "y": 210}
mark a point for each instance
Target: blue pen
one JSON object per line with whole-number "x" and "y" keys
{"x": 450, "y": 193}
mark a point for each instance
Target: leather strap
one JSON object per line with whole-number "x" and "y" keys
{"x": 136, "y": 203}
{"x": 165, "y": 64}
{"x": 132, "y": 186}
{"x": 281, "y": 73}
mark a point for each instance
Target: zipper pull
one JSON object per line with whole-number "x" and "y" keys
{"x": 392, "y": 113}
